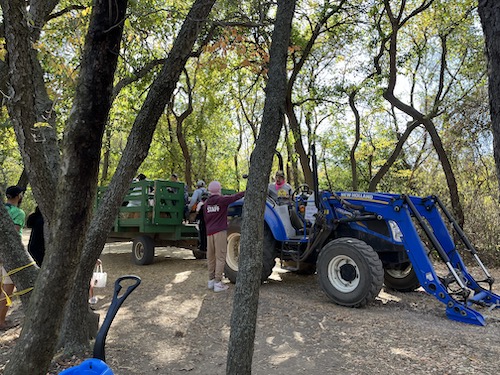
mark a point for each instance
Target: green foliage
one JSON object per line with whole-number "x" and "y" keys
{"x": 10, "y": 159}
{"x": 229, "y": 71}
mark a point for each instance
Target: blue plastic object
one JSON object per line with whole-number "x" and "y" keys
{"x": 97, "y": 365}
{"x": 91, "y": 366}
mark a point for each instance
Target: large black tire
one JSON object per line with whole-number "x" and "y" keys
{"x": 350, "y": 272}
{"x": 402, "y": 280}
{"x": 233, "y": 252}
{"x": 143, "y": 250}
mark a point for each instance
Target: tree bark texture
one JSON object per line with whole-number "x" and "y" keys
{"x": 244, "y": 314}
{"x": 136, "y": 150}
{"x": 25, "y": 278}
{"x": 38, "y": 144}
{"x": 489, "y": 11}
{"x": 22, "y": 104}
{"x": 39, "y": 141}
{"x": 75, "y": 190}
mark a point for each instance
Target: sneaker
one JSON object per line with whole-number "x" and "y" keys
{"x": 220, "y": 287}
{"x": 211, "y": 284}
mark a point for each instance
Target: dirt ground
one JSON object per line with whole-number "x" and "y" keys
{"x": 172, "y": 324}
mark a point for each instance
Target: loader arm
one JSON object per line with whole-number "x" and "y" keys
{"x": 422, "y": 218}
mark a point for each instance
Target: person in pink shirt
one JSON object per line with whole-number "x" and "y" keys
{"x": 280, "y": 190}
{"x": 215, "y": 216}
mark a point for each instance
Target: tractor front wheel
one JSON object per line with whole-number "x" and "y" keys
{"x": 350, "y": 272}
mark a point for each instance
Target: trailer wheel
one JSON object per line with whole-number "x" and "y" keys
{"x": 143, "y": 250}
{"x": 350, "y": 272}
{"x": 233, "y": 252}
{"x": 402, "y": 280}
{"x": 198, "y": 254}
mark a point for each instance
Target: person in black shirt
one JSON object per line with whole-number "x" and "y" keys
{"x": 36, "y": 244}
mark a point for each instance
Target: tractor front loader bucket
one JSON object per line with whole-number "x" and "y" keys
{"x": 458, "y": 290}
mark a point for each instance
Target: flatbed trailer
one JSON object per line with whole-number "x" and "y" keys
{"x": 152, "y": 215}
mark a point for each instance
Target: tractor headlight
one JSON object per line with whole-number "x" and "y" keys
{"x": 396, "y": 232}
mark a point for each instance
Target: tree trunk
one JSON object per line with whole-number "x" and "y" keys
{"x": 393, "y": 157}
{"x": 23, "y": 179}
{"x": 327, "y": 13}
{"x": 76, "y": 188}
{"x": 489, "y": 11}
{"x": 357, "y": 138}
{"x": 448, "y": 171}
{"x": 396, "y": 23}
{"x": 244, "y": 315}
{"x": 19, "y": 259}
{"x": 299, "y": 145}
{"x": 134, "y": 154}
{"x": 179, "y": 119}
{"x": 292, "y": 168}
{"x": 235, "y": 157}
{"x": 42, "y": 141}
{"x": 107, "y": 154}
{"x": 33, "y": 106}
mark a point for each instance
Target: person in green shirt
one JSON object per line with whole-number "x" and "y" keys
{"x": 14, "y": 198}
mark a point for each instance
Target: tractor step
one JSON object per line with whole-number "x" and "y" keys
{"x": 290, "y": 252}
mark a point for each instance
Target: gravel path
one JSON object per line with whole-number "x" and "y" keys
{"x": 172, "y": 324}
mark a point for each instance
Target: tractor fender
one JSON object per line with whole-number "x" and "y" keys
{"x": 271, "y": 218}
{"x": 274, "y": 223}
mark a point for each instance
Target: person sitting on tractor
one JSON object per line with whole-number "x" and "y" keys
{"x": 280, "y": 190}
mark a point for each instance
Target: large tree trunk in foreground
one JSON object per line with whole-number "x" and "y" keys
{"x": 74, "y": 337}
{"x": 75, "y": 191}
{"x": 21, "y": 260}
{"x": 489, "y": 11}
{"x": 244, "y": 315}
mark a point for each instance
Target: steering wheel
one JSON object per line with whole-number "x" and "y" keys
{"x": 303, "y": 189}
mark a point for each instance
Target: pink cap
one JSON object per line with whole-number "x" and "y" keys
{"x": 214, "y": 187}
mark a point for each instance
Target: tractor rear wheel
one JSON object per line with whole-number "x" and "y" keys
{"x": 350, "y": 272}
{"x": 402, "y": 280}
{"x": 233, "y": 252}
{"x": 143, "y": 250}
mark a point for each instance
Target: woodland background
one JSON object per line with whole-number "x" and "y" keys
{"x": 393, "y": 94}
{"x": 338, "y": 74}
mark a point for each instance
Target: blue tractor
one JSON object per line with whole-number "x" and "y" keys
{"x": 357, "y": 242}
